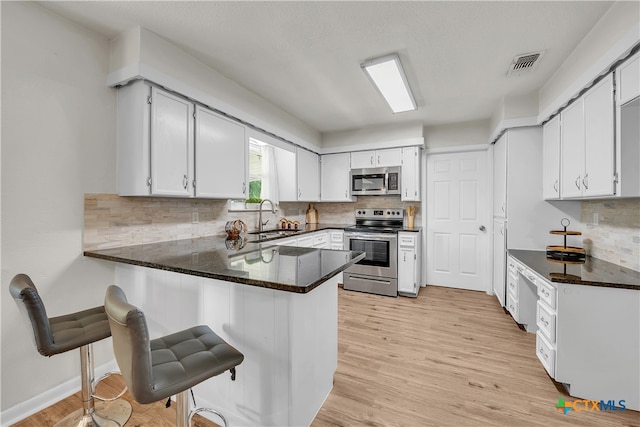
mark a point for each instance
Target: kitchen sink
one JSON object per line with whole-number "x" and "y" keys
{"x": 266, "y": 235}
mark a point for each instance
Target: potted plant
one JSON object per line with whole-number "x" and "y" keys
{"x": 252, "y": 203}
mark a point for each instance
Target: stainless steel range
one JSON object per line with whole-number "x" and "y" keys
{"x": 375, "y": 234}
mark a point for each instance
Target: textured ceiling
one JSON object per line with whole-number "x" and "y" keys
{"x": 304, "y": 56}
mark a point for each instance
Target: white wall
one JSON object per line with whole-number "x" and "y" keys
{"x": 616, "y": 33}
{"x": 456, "y": 135}
{"x": 375, "y": 137}
{"x": 140, "y": 52}
{"x": 58, "y": 142}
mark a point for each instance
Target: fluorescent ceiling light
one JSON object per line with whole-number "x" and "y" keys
{"x": 387, "y": 75}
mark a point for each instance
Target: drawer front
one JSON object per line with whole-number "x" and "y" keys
{"x": 320, "y": 239}
{"x": 337, "y": 237}
{"x": 512, "y": 284}
{"x": 407, "y": 241}
{"x": 547, "y": 293}
{"x": 546, "y": 321}
{"x": 512, "y": 266}
{"x": 512, "y": 306}
{"x": 336, "y": 246}
{"x": 546, "y": 353}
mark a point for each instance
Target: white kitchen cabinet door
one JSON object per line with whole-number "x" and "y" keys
{"x": 628, "y": 78}
{"x": 171, "y": 144}
{"x": 499, "y": 259}
{"x": 572, "y": 149}
{"x": 220, "y": 157}
{"x": 363, "y": 159}
{"x": 410, "y": 180}
{"x": 388, "y": 158}
{"x": 599, "y": 161}
{"x": 500, "y": 177}
{"x": 334, "y": 173}
{"x": 376, "y": 158}
{"x": 308, "y": 165}
{"x": 409, "y": 271}
{"x": 551, "y": 159}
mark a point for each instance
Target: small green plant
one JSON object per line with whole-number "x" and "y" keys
{"x": 253, "y": 200}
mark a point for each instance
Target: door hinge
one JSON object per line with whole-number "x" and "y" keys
{"x": 149, "y": 99}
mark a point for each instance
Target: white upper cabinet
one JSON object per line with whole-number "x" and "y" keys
{"x": 308, "y": 167}
{"x": 587, "y": 145}
{"x": 221, "y": 156}
{"x": 599, "y": 132}
{"x": 551, "y": 159}
{"x": 166, "y": 146}
{"x": 410, "y": 179}
{"x": 171, "y": 144}
{"x": 628, "y": 78}
{"x": 376, "y": 158}
{"x": 334, "y": 173}
{"x": 500, "y": 177}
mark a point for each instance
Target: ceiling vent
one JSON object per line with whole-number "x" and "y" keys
{"x": 524, "y": 63}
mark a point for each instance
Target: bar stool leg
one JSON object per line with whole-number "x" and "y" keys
{"x": 113, "y": 414}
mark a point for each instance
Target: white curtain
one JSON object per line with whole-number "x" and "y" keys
{"x": 269, "y": 175}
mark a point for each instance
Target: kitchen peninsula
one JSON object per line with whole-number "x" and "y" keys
{"x": 276, "y": 304}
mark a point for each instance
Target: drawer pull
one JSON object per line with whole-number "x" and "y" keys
{"x": 545, "y": 293}
{"x": 544, "y": 321}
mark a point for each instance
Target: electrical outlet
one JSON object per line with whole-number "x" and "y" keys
{"x": 195, "y": 217}
{"x": 596, "y": 218}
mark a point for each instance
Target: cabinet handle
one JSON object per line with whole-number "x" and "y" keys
{"x": 544, "y": 321}
{"x": 185, "y": 181}
{"x": 502, "y": 207}
{"x": 578, "y": 182}
{"x": 371, "y": 159}
{"x": 244, "y": 188}
{"x": 585, "y": 181}
{"x": 378, "y": 159}
{"x": 405, "y": 257}
{"x": 555, "y": 186}
{"x": 299, "y": 193}
{"x": 545, "y": 293}
{"x": 346, "y": 194}
{"x": 405, "y": 192}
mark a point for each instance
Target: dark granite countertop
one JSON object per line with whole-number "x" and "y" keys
{"x": 285, "y": 268}
{"x": 594, "y": 271}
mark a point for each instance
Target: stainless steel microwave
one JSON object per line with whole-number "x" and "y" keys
{"x": 375, "y": 181}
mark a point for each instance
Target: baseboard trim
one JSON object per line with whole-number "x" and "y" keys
{"x": 44, "y": 400}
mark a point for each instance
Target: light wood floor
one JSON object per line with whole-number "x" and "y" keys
{"x": 449, "y": 357}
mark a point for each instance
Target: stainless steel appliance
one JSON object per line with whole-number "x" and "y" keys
{"x": 375, "y": 181}
{"x": 375, "y": 234}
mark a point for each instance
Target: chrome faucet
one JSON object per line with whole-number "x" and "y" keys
{"x": 260, "y": 223}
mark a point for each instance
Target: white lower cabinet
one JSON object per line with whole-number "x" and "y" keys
{"x": 336, "y": 240}
{"x": 587, "y": 337}
{"x": 321, "y": 240}
{"x": 306, "y": 241}
{"x": 409, "y": 263}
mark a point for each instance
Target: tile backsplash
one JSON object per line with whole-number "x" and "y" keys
{"x": 113, "y": 221}
{"x": 616, "y": 236}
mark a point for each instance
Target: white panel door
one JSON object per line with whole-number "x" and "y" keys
{"x": 221, "y": 157}
{"x": 171, "y": 144}
{"x": 457, "y": 220}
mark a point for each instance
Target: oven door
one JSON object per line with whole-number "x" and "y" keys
{"x": 381, "y": 253}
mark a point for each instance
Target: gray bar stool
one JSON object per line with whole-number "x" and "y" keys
{"x": 60, "y": 334}
{"x": 160, "y": 368}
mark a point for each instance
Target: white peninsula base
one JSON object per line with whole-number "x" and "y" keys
{"x": 289, "y": 340}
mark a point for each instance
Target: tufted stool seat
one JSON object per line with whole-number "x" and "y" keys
{"x": 60, "y": 334}
{"x": 170, "y": 365}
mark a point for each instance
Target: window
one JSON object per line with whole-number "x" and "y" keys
{"x": 255, "y": 169}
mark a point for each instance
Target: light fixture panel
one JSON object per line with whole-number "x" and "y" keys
{"x": 387, "y": 75}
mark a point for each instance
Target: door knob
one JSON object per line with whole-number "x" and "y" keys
{"x": 482, "y": 228}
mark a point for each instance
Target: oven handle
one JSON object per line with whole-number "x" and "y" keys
{"x": 371, "y": 236}
{"x": 369, "y": 279}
